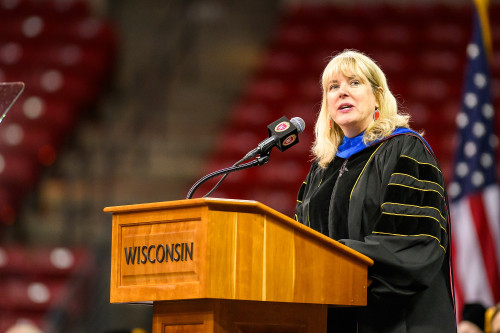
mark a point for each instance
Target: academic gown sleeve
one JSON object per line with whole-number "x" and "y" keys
{"x": 408, "y": 240}
{"x": 303, "y": 197}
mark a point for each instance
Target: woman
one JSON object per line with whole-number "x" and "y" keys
{"x": 376, "y": 187}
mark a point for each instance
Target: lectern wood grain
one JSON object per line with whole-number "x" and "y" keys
{"x": 213, "y": 248}
{"x": 220, "y": 261}
{"x": 238, "y": 317}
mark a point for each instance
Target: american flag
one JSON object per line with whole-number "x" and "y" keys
{"x": 474, "y": 192}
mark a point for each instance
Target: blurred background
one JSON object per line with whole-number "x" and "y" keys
{"x": 133, "y": 101}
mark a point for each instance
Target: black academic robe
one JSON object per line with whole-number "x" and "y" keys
{"x": 388, "y": 202}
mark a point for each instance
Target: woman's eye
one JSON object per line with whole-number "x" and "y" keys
{"x": 333, "y": 86}
{"x": 355, "y": 83}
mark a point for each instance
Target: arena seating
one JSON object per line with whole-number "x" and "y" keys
{"x": 420, "y": 48}
{"x": 65, "y": 56}
{"x": 46, "y": 286}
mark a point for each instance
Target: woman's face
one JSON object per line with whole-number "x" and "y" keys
{"x": 351, "y": 103}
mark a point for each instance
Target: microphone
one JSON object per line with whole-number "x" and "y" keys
{"x": 283, "y": 134}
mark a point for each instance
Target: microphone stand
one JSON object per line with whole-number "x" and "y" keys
{"x": 258, "y": 161}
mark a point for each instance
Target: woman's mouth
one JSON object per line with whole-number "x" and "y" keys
{"x": 345, "y": 107}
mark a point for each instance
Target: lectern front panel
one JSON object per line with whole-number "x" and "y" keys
{"x": 157, "y": 255}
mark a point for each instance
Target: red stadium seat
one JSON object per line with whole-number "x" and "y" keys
{"x": 392, "y": 36}
{"x": 90, "y": 62}
{"x": 72, "y": 9}
{"x": 236, "y": 143}
{"x": 429, "y": 89}
{"x": 343, "y": 36}
{"x": 10, "y": 318}
{"x": 17, "y": 171}
{"x": 59, "y": 261}
{"x": 47, "y": 112}
{"x": 253, "y": 115}
{"x": 441, "y": 62}
{"x": 28, "y": 140}
{"x": 391, "y": 62}
{"x": 280, "y": 174}
{"x": 38, "y": 281}
{"x": 10, "y": 201}
{"x": 452, "y": 36}
{"x": 47, "y": 8}
{"x": 270, "y": 90}
{"x": 295, "y": 37}
{"x": 318, "y": 58}
{"x": 308, "y": 110}
{"x": 283, "y": 200}
{"x": 308, "y": 89}
{"x": 31, "y": 295}
{"x": 495, "y": 61}
{"x": 16, "y": 8}
{"x": 14, "y": 260}
{"x": 42, "y": 261}
{"x": 282, "y": 63}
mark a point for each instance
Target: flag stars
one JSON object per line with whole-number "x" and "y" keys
{"x": 454, "y": 189}
{"x": 480, "y": 80}
{"x": 462, "y": 169}
{"x": 470, "y": 149}
{"x": 470, "y": 100}
{"x": 486, "y": 160}
{"x": 477, "y": 178}
{"x": 479, "y": 129}
{"x": 473, "y": 51}
{"x": 462, "y": 120}
{"x": 488, "y": 111}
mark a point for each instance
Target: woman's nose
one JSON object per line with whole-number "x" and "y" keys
{"x": 343, "y": 89}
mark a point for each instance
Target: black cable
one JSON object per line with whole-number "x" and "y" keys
{"x": 258, "y": 161}
{"x": 224, "y": 177}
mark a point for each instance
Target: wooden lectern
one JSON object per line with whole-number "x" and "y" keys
{"x": 217, "y": 265}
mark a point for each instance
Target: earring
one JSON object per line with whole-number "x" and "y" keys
{"x": 376, "y": 114}
{"x": 330, "y": 123}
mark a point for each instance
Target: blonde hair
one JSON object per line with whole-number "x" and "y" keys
{"x": 351, "y": 62}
